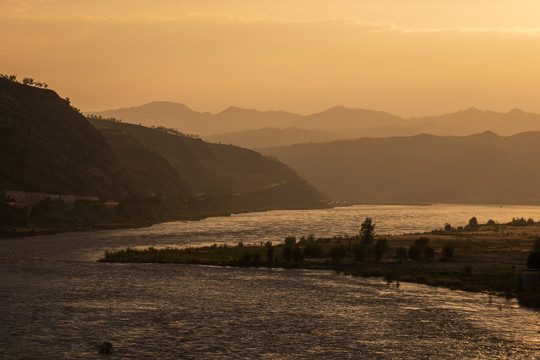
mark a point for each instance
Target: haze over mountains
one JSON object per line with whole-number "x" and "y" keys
{"x": 484, "y": 168}
{"x": 255, "y": 129}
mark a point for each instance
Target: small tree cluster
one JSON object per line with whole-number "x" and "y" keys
{"x": 173, "y": 131}
{"x": 521, "y": 222}
{"x": 99, "y": 117}
{"x": 25, "y": 81}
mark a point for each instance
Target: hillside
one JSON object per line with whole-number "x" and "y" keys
{"x": 240, "y": 179}
{"x": 481, "y": 168}
{"x": 47, "y": 146}
{"x": 59, "y": 172}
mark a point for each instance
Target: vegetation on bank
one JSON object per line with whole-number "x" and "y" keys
{"x": 486, "y": 257}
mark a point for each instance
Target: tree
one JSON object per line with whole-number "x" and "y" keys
{"x": 28, "y": 81}
{"x": 288, "y": 245}
{"x": 367, "y": 231}
{"x": 473, "y": 223}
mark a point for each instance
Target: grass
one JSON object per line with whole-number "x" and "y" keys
{"x": 483, "y": 260}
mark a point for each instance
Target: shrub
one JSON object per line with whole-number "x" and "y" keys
{"x": 338, "y": 252}
{"x": 360, "y": 252}
{"x": 256, "y": 258}
{"x": 401, "y": 254}
{"x": 290, "y": 240}
{"x": 429, "y": 253}
{"x": 381, "y": 248}
{"x": 105, "y": 347}
{"x": 269, "y": 252}
{"x": 414, "y": 252}
{"x": 246, "y": 258}
{"x": 297, "y": 254}
{"x": 533, "y": 260}
{"x": 287, "y": 252}
{"x": 447, "y": 252}
{"x": 313, "y": 249}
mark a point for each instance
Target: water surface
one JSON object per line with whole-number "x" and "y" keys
{"x": 56, "y": 301}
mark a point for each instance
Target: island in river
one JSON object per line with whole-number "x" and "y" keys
{"x": 488, "y": 257}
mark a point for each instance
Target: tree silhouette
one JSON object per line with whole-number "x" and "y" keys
{"x": 367, "y": 231}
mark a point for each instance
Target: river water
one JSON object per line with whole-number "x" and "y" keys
{"x": 56, "y": 301}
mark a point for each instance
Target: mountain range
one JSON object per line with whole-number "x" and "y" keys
{"x": 483, "y": 168}
{"x": 247, "y": 128}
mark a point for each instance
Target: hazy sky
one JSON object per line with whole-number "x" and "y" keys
{"x": 411, "y": 58}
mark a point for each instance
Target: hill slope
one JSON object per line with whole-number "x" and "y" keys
{"x": 48, "y": 149}
{"x": 47, "y": 146}
{"x": 482, "y": 168}
{"x": 242, "y": 179}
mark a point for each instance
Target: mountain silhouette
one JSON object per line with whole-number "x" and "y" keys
{"x": 481, "y": 168}
{"x": 236, "y": 125}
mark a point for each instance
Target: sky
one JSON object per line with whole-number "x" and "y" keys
{"x": 410, "y": 58}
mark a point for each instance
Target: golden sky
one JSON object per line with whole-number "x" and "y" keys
{"x": 410, "y": 58}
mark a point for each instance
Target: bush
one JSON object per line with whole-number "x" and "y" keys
{"x": 105, "y": 347}
{"x": 414, "y": 252}
{"x": 447, "y": 252}
{"x": 269, "y": 252}
{"x": 338, "y": 252}
{"x": 297, "y": 254}
{"x": 290, "y": 240}
{"x": 313, "y": 249}
{"x": 360, "y": 252}
{"x": 381, "y": 248}
{"x": 533, "y": 260}
{"x": 287, "y": 252}
{"x": 429, "y": 253}
{"x": 401, "y": 254}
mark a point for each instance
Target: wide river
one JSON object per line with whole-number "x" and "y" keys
{"x": 57, "y": 301}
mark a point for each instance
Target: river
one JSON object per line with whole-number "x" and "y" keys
{"x": 56, "y": 301}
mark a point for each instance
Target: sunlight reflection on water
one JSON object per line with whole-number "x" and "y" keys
{"x": 62, "y": 309}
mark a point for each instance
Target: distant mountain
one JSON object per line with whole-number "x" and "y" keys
{"x": 267, "y": 137}
{"x": 341, "y": 119}
{"x": 481, "y": 168}
{"x": 235, "y": 125}
{"x": 179, "y": 116}
{"x": 473, "y": 121}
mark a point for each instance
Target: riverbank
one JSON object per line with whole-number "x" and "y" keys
{"x": 486, "y": 258}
